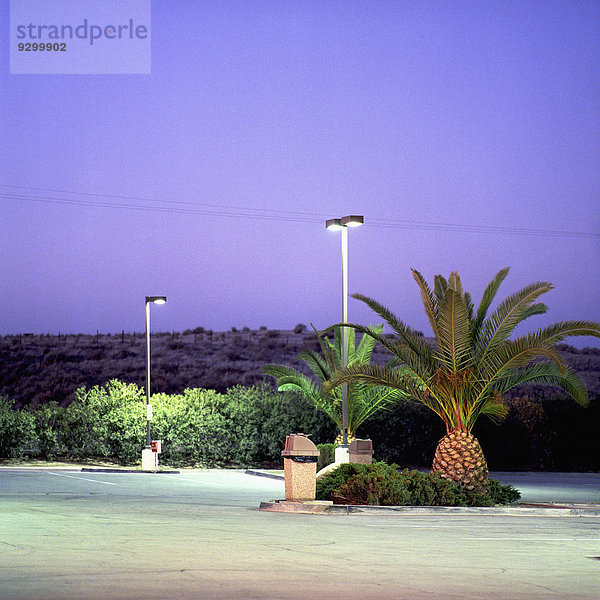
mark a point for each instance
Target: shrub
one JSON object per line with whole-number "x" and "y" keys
{"x": 246, "y": 426}
{"x": 107, "y": 421}
{"x": 502, "y": 493}
{"x": 259, "y": 420}
{"x": 385, "y": 485}
{"x": 378, "y": 484}
{"x": 49, "y": 424}
{"x": 17, "y": 430}
{"x": 327, "y": 455}
{"x": 192, "y": 427}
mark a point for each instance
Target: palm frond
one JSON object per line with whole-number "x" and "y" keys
{"x": 501, "y": 323}
{"x": 334, "y": 350}
{"x": 404, "y": 380}
{"x": 289, "y": 378}
{"x": 317, "y": 364}
{"x": 371, "y": 400}
{"x": 495, "y": 408}
{"x": 470, "y": 309}
{"x": 510, "y": 357}
{"x": 518, "y": 353}
{"x": 486, "y": 300}
{"x": 455, "y": 342}
{"x": 324, "y": 343}
{"x": 366, "y": 345}
{"x": 407, "y": 336}
{"x": 550, "y": 373}
{"x": 278, "y": 370}
{"x": 539, "y": 308}
{"x": 403, "y": 331}
{"x": 419, "y": 352}
{"x": 440, "y": 285}
{"x": 563, "y": 329}
{"x": 429, "y": 299}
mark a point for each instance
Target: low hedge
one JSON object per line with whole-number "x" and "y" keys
{"x": 246, "y": 426}
{"x": 381, "y": 484}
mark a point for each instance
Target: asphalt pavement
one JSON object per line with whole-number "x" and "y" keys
{"x": 198, "y": 534}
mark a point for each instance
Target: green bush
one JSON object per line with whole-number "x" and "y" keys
{"x": 49, "y": 425}
{"x": 503, "y": 493}
{"x": 192, "y": 428}
{"x": 259, "y": 419}
{"x": 17, "y": 431}
{"x": 246, "y": 426}
{"x": 385, "y": 485}
{"x": 326, "y": 456}
{"x": 106, "y": 421}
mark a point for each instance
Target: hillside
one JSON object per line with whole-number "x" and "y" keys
{"x": 35, "y": 369}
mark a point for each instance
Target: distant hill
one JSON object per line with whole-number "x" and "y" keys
{"x": 35, "y": 369}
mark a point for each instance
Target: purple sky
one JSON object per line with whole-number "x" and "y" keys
{"x": 470, "y": 129}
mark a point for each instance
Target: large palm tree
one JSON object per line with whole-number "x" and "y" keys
{"x": 363, "y": 400}
{"x": 472, "y": 363}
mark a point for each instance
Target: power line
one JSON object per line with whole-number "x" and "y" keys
{"x": 224, "y": 212}
{"x": 170, "y": 202}
{"x": 483, "y": 229}
{"x": 219, "y": 210}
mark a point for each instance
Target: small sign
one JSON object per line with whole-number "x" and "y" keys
{"x": 156, "y": 446}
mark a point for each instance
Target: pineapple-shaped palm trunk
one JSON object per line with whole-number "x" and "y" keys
{"x": 459, "y": 457}
{"x": 339, "y": 440}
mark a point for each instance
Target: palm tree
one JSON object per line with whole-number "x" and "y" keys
{"x": 363, "y": 400}
{"x": 472, "y": 364}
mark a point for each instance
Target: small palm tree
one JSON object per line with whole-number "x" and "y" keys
{"x": 472, "y": 364}
{"x": 363, "y": 400}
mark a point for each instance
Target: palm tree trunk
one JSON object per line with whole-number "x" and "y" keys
{"x": 459, "y": 457}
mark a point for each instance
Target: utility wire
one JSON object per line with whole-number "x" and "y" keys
{"x": 219, "y": 210}
{"x": 195, "y": 205}
{"x": 226, "y": 211}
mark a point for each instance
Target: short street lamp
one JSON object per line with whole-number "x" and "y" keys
{"x": 342, "y": 225}
{"x": 149, "y": 300}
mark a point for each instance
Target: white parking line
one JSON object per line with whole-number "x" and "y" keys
{"x": 82, "y": 478}
{"x": 531, "y": 539}
{"x": 193, "y": 480}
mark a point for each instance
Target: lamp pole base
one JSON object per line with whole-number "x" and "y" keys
{"x": 149, "y": 460}
{"x": 341, "y": 454}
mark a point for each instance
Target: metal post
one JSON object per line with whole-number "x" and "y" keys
{"x": 344, "y": 333}
{"x": 148, "y": 438}
{"x": 342, "y": 225}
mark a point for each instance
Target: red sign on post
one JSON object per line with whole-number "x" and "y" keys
{"x": 157, "y": 446}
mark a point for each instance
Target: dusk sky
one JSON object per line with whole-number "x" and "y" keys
{"x": 466, "y": 133}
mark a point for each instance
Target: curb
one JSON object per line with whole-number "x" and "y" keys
{"x": 108, "y": 470}
{"x": 77, "y": 469}
{"x": 263, "y": 474}
{"x": 524, "y": 510}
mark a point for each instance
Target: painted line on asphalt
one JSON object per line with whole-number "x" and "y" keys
{"x": 528, "y": 539}
{"x": 81, "y": 478}
{"x": 193, "y": 480}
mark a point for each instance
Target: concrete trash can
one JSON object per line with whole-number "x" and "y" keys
{"x": 361, "y": 451}
{"x": 300, "y": 468}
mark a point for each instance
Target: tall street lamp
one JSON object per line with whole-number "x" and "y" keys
{"x": 149, "y": 300}
{"x": 342, "y": 225}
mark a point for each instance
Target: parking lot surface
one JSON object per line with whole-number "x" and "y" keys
{"x": 198, "y": 534}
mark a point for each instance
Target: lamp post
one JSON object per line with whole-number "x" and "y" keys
{"x": 149, "y": 300}
{"x": 342, "y": 225}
